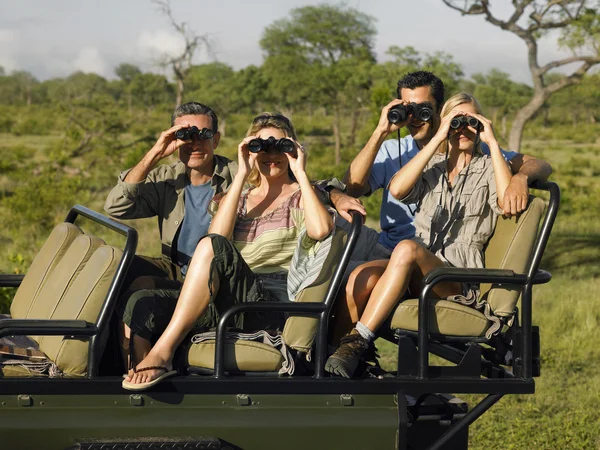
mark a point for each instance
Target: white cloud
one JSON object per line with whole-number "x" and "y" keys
{"x": 157, "y": 44}
{"x": 90, "y": 60}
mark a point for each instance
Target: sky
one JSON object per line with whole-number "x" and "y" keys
{"x": 55, "y": 38}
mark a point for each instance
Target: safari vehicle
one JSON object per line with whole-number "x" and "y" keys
{"x": 228, "y": 394}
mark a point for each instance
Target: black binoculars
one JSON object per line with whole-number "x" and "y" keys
{"x": 283, "y": 145}
{"x": 400, "y": 113}
{"x": 187, "y": 134}
{"x": 462, "y": 121}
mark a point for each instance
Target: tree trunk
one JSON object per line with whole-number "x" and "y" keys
{"x": 353, "y": 127}
{"x": 336, "y": 135}
{"x": 522, "y": 117}
{"x": 503, "y": 124}
{"x": 179, "y": 98}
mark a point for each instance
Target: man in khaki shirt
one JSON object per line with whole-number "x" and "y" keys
{"x": 148, "y": 191}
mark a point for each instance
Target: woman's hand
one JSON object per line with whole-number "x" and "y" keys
{"x": 486, "y": 134}
{"x": 444, "y": 129}
{"x": 246, "y": 158}
{"x": 297, "y": 160}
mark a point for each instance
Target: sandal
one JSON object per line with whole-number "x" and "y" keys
{"x": 148, "y": 384}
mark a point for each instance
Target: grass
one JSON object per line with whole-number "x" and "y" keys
{"x": 564, "y": 412}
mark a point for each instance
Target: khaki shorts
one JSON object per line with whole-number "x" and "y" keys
{"x": 367, "y": 248}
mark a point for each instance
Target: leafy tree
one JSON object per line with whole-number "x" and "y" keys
{"x": 211, "y": 84}
{"x": 312, "y": 57}
{"x": 127, "y": 72}
{"x": 579, "y": 24}
{"x": 499, "y": 95}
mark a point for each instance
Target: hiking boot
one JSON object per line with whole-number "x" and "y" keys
{"x": 346, "y": 358}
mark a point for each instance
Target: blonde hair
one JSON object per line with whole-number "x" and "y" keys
{"x": 453, "y": 102}
{"x": 270, "y": 120}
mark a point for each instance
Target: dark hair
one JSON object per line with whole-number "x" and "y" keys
{"x": 422, "y": 78}
{"x": 195, "y": 109}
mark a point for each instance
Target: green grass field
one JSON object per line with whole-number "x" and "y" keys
{"x": 565, "y": 411}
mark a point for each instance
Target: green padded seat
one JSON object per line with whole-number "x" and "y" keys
{"x": 68, "y": 279}
{"x": 240, "y": 356}
{"x": 445, "y": 317}
{"x": 298, "y": 333}
{"x": 510, "y": 247}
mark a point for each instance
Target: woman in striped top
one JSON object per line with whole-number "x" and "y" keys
{"x": 251, "y": 241}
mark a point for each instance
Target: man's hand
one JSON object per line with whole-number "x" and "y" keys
{"x": 344, "y": 204}
{"x": 516, "y": 195}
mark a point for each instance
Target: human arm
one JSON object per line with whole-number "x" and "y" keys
{"x": 525, "y": 169}
{"x": 318, "y": 220}
{"x": 165, "y": 146}
{"x": 344, "y": 203}
{"x": 223, "y": 222}
{"x": 405, "y": 179}
{"x": 137, "y": 194}
{"x": 502, "y": 173}
{"x": 357, "y": 175}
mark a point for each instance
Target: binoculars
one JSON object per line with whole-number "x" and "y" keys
{"x": 283, "y": 145}
{"x": 400, "y": 113}
{"x": 462, "y": 121}
{"x": 187, "y": 134}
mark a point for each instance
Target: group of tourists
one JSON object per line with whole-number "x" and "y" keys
{"x": 229, "y": 230}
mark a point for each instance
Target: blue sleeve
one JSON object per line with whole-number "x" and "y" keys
{"x": 378, "y": 178}
{"x": 508, "y": 154}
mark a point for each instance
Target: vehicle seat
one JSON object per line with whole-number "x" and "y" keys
{"x": 510, "y": 247}
{"x": 298, "y": 333}
{"x": 68, "y": 280}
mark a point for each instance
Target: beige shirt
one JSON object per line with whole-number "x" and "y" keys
{"x": 476, "y": 219}
{"x": 161, "y": 194}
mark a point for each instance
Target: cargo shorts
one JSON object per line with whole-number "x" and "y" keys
{"x": 148, "y": 309}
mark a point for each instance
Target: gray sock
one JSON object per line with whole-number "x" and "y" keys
{"x": 364, "y": 331}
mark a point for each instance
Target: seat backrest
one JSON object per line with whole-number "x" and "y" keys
{"x": 83, "y": 300}
{"x": 511, "y": 247}
{"x": 299, "y": 332}
{"x": 42, "y": 267}
{"x": 62, "y": 277}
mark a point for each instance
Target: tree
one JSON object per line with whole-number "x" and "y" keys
{"x": 127, "y": 73}
{"x": 211, "y": 84}
{"x": 499, "y": 95}
{"x": 181, "y": 63}
{"x": 579, "y": 25}
{"x": 320, "y": 56}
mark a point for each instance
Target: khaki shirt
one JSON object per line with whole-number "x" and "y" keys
{"x": 161, "y": 194}
{"x": 476, "y": 220}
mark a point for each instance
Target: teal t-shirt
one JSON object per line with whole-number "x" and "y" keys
{"x": 195, "y": 221}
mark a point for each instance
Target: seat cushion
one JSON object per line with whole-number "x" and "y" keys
{"x": 42, "y": 267}
{"x": 240, "y": 356}
{"x": 445, "y": 317}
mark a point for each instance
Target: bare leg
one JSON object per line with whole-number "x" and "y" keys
{"x": 351, "y": 303}
{"x": 408, "y": 263}
{"x": 192, "y": 302}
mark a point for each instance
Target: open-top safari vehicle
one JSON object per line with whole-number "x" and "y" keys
{"x": 229, "y": 394}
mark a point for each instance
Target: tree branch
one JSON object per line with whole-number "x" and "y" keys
{"x": 554, "y": 64}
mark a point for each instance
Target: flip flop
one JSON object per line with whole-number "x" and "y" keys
{"x": 142, "y": 386}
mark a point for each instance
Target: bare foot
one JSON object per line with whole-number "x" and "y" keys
{"x": 144, "y": 376}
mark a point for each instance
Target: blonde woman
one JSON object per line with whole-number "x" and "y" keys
{"x": 251, "y": 241}
{"x": 459, "y": 193}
